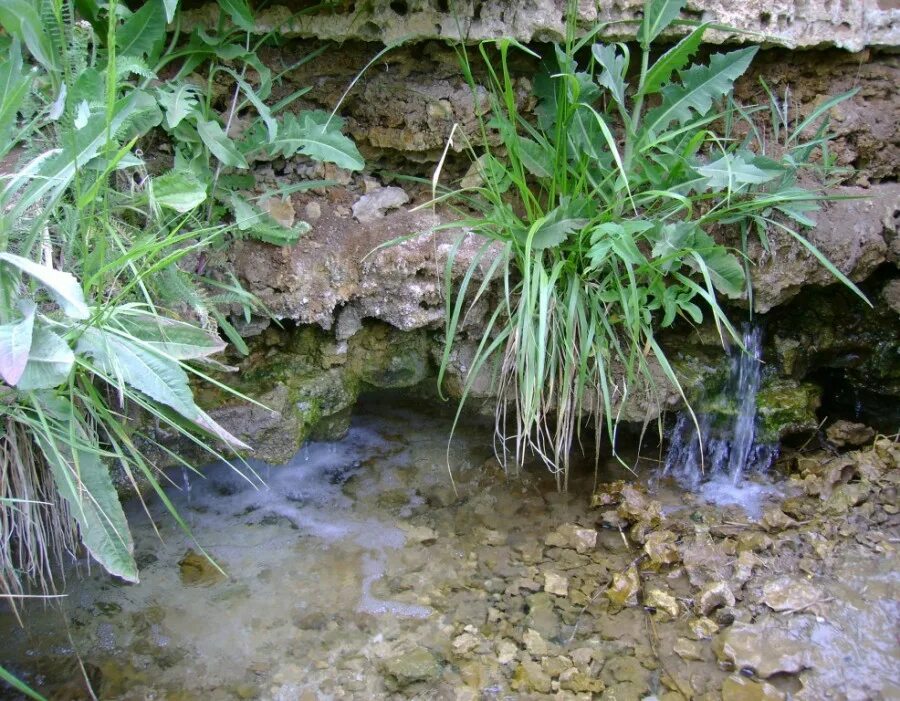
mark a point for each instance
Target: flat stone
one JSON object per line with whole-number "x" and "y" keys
{"x": 417, "y": 665}
{"x": 663, "y": 601}
{"x": 842, "y": 433}
{"x": 506, "y": 651}
{"x": 766, "y": 647}
{"x": 789, "y": 593}
{"x": 535, "y": 643}
{"x": 660, "y": 547}
{"x": 196, "y": 570}
{"x": 688, "y": 649}
{"x": 373, "y": 206}
{"x": 464, "y": 643}
{"x": 714, "y": 595}
{"x": 624, "y": 588}
{"x": 555, "y": 583}
{"x": 530, "y": 677}
{"x": 570, "y": 535}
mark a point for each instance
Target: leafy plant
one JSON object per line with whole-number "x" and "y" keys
{"x": 609, "y": 214}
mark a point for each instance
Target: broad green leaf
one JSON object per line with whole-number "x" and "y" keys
{"x": 700, "y": 86}
{"x": 261, "y": 108}
{"x": 732, "y": 171}
{"x": 178, "y": 102}
{"x": 14, "y": 85}
{"x": 238, "y": 12}
{"x": 673, "y": 60}
{"x": 551, "y": 232}
{"x": 725, "y": 270}
{"x": 169, "y": 337}
{"x": 15, "y": 344}
{"x": 140, "y": 34}
{"x": 20, "y": 18}
{"x": 614, "y": 66}
{"x": 318, "y": 136}
{"x": 82, "y": 114}
{"x": 50, "y": 361}
{"x": 658, "y": 14}
{"x": 669, "y": 239}
{"x": 62, "y": 286}
{"x": 537, "y": 159}
{"x": 180, "y": 191}
{"x": 219, "y": 144}
{"x": 84, "y": 482}
{"x": 160, "y": 378}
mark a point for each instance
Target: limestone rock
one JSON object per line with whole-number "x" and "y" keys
{"x": 766, "y": 647}
{"x": 196, "y": 570}
{"x": 688, "y": 649}
{"x": 534, "y": 643}
{"x": 660, "y": 547}
{"x": 555, "y": 583}
{"x": 790, "y": 593}
{"x": 373, "y": 206}
{"x": 842, "y": 433}
{"x": 713, "y": 596}
{"x": 569, "y": 535}
{"x": 662, "y": 601}
{"x": 417, "y": 665}
{"x": 623, "y": 590}
{"x": 529, "y": 677}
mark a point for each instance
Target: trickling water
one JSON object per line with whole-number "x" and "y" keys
{"x": 718, "y": 455}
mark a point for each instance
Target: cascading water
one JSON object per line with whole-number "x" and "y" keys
{"x": 715, "y": 458}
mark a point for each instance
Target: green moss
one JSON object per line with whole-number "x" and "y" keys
{"x": 786, "y": 406}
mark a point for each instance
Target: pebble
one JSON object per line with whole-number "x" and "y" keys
{"x": 555, "y": 583}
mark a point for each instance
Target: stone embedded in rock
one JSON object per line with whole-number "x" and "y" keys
{"x": 555, "y": 583}
{"x": 703, "y": 628}
{"x": 373, "y": 206}
{"x": 688, "y": 649}
{"x": 789, "y": 593}
{"x": 464, "y": 643}
{"x": 535, "y": 643}
{"x": 506, "y": 651}
{"x": 580, "y": 683}
{"x": 530, "y": 677}
{"x": 737, "y": 688}
{"x": 570, "y": 535}
{"x": 842, "y": 433}
{"x": 714, "y": 595}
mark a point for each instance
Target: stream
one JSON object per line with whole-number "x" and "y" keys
{"x": 357, "y": 572}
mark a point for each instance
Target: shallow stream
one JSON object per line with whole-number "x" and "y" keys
{"x": 357, "y": 572}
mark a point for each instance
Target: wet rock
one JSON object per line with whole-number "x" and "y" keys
{"x": 845, "y": 497}
{"x": 196, "y": 570}
{"x": 776, "y": 520}
{"x": 555, "y": 666}
{"x": 744, "y": 566}
{"x": 737, "y": 688}
{"x": 506, "y": 651}
{"x": 555, "y": 583}
{"x": 688, "y": 649}
{"x": 662, "y": 601}
{"x": 636, "y": 507}
{"x": 569, "y": 535}
{"x": 843, "y": 433}
{"x": 542, "y": 615}
{"x": 714, "y": 595}
{"x": 625, "y": 691}
{"x": 790, "y": 593}
{"x": 703, "y": 628}
{"x": 661, "y": 548}
{"x": 580, "y": 683}
{"x": 535, "y": 643}
{"x": 754, "y": 541}
{"x": 418, "y": 665}
{"x": 530, "y": 677}
{"x": 765, "y": 647}
{"x": 465, "y": 643}
{"x": 624, "y": 588}
{"x": 373, "y": 206}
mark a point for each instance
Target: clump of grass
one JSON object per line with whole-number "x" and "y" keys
{"x": 606, "y": 207}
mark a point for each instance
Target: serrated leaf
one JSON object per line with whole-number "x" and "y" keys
{"x": 669, "y": 239}
{"x": 84, "y": 482}
{"x": 238, "y": 12}
{"x": 180, "y": 191}
{"x": 15, "y": 344}
{"x": 673, "y": 60}
{"x": 265, "y": 114}
{"x": 219, "y": 144}
{"x": 658, "y": 14}
{"x": 614, "y": 65}
{"x": 318, "y": 136}
{"x": 62, "y": 286}
{"x": 536, "y": 158}
{"x": 142, "y": 31}
{"x": 158, "y": 377}
{"x": 178, "y": 102}
{"x": 700, "y": 86}
{"x": 732, "y": 171}
{"x": 50, "y": 361}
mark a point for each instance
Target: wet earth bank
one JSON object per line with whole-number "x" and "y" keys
{"x": 357, "y": 572}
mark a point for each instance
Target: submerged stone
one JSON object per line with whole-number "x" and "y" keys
{"x": 417, "y": 665}
{"x": 623, "y": 590}
{"x": 196, "y": 570}
{"x": 842, "y": 433}
{"x": 765, "y": 647}
{"x": 789, "y": 593}
{"x": 737, "y": 688}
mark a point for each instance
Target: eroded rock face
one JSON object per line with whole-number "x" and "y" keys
{"x": 852, "y": 234}
{"x": 792, "y": 23}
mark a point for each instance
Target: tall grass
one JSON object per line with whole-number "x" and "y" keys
{"x": 609, "y": 207}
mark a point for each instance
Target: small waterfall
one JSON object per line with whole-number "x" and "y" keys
{"x": 727, "y": 428}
